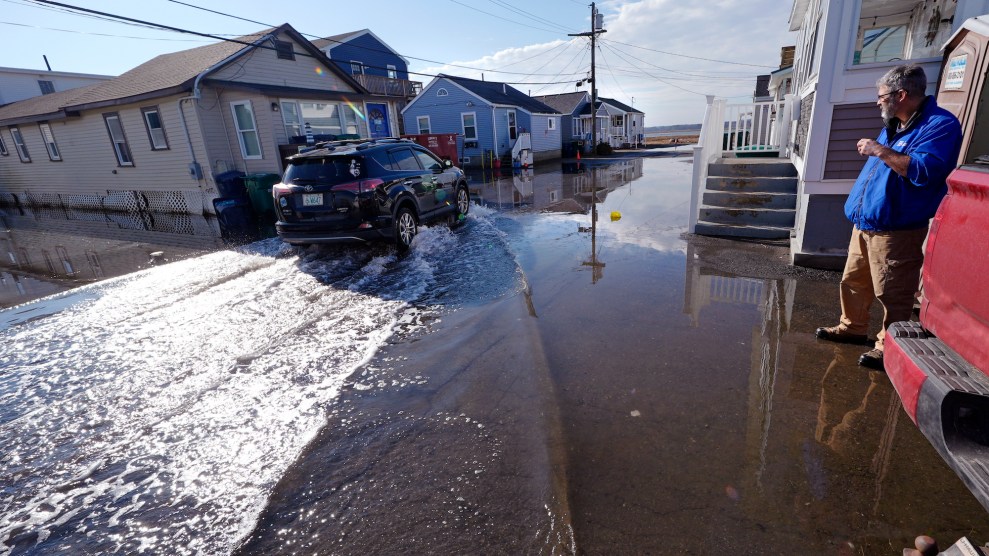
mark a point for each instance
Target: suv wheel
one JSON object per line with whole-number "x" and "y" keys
{"x": 406, "y": 228}
{"x": 463, "y": 202}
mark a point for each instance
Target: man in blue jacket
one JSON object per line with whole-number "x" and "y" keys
{"x": 894, "y": 197}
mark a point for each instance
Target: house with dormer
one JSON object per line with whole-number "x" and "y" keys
{"x": 378, "y": 68}
{"x": 157, "y": 136}
{"x": 494, "y": 119}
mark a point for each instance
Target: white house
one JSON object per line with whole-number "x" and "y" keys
{"x": 19, "y": 84}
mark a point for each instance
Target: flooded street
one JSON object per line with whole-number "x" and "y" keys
{"x": 567, "y": 373}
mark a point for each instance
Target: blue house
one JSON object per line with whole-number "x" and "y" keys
{"x": 618, "y": 124}
{"x": 494, "y": 119}
{"x": 381, "y": 70}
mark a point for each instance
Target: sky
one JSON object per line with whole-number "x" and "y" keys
{"x": 660, "y": 56}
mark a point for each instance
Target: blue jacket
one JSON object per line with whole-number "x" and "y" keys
{"x": 882, "y": 200}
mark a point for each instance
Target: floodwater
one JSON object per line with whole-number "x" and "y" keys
{"x": 556, "y": 376}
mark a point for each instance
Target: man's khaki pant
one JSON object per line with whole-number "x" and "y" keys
{"x": 884, "y": 266}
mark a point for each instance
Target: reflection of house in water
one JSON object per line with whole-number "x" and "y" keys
{"x": 567, "y": 190}
{"x": 818, "y": 430}
{"x": 47, "y": 250}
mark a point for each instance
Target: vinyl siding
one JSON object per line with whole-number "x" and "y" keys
{"x": 262, "y": 66}
{"x": 89, "y": 164}
{"x": 849, "y": 123}
{"x": 368, "y": 50}
{"x": 543, "y": 138}
{"x": 444, "y": 114}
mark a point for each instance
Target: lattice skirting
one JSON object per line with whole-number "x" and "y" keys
{"x": 162, "y": 202}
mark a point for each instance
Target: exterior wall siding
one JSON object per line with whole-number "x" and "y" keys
{"x": 545, "y": 139}
{"x": 89, "y": 167}
{"x": 21, "y": 84}
{"x": 369, "y": 51}
{"x": 849, "y": 123}
{"x": 262, "y": 66}
{"x": 444, "y": 114}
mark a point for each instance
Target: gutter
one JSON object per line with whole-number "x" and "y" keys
{"x": 195, "y": 170}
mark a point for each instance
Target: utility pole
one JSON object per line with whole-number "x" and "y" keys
{"x": 597, "y": 22}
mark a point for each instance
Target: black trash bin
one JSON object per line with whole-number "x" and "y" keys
{"x": 230, "y": 185}
{"x": 236, "y": 218}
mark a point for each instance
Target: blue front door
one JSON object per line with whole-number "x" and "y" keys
{"x": 377, "y": 121}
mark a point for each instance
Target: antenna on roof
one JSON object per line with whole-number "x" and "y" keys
{"x": 46, "y": 62}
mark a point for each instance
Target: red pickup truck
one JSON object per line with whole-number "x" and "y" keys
{"x": 940, "y": 365}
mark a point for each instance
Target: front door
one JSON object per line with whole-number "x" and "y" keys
{"x": 377, "y": 121}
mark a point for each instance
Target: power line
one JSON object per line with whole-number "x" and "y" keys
{"x": 237, "y": 41}
{"x": 503, "y": 18}
{"x": 97, "y": 34}
{"x": 657, "y": 78}
{"x": 520, "y": 11}
{"x": 694, "y": 57}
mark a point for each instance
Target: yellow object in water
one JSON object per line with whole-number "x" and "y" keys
{"x": 615, "y": 215}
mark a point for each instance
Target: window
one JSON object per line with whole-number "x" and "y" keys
{"x": 392, "y": 72}
{"x": 3, "y": 147}
{"x": 247, "y": 129}
{"x": 15, "y": 134}
{"x": 156, "y": 132}
{"x": 423, "y": 122}
{"x": 881, "y": 44}
{"x": 118, "y": 139}
{"x": 884, "y": 37}
{"x": 551, "y": 123}
{"x": 617, "y": 121}
{"x": 291, "y": 119}
{"x": 46, "y": 134}
{"x": 403, "y": 159}
{"x": 428, "y": 161}
{"x": 349, "y": 117}
{"x": 283, "y": 49}
{"x": 47, "y": 87}
{"x": 470, "y": 126}
{"x": 513, "y": 132}
{"x": 356, "y": 68}
{"x": 324, "y": 118}
{"x": 442, "y": 92}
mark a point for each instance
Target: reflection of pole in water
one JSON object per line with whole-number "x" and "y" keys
{"x": 597, "y": 267}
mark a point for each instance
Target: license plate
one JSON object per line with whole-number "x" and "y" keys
{"x": 312, "y": 199}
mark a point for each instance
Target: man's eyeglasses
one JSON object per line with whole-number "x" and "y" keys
{"x": 885, "y": 96}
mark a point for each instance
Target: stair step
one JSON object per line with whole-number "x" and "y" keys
{"x": 752, "y": 184}
{"x": 752, "y": 167}
{"x": 748, "y": 216}
{"x": 727, "y": 230}
{"x": 738, "y": 199}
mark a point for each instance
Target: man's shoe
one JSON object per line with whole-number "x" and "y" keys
{"x": 873, "y": 359}
{"x": 837, "y": 334}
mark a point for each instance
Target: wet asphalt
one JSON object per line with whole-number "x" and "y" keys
{"x": 621, "y": 387}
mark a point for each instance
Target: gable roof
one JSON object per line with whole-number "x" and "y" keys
{"x": 501, "y": 93}
{"x": 564, "y": 103}
{"x": 607, "y": 103}
{"x": 619, "y": 105}
{"x": 161, "y": 76}
{"x": 329, "y": 43}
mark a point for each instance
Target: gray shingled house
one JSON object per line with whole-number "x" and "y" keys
{"x": 157, "y": 136}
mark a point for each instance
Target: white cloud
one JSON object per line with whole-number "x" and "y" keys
{"x": 652, "y": 53}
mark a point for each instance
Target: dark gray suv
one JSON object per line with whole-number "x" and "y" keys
{"x": 358, "y": 191}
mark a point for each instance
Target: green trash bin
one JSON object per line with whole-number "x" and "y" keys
{"x": 259, "y": 190}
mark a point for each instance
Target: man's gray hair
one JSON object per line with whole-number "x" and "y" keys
{"x": 909, "y": 77}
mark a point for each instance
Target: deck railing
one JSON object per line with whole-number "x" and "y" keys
{"x": 738, "y": 128}
{"x": 387, "y": 86}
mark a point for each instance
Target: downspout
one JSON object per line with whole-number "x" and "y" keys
{"x": 195, "y": 170}
{"x": 494, "y": 132}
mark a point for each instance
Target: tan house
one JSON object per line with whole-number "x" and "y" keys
{"x": 155, "y": 137}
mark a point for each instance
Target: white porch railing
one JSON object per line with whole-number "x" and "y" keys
{"x": 522, "y": 151}
{"x": 733, "y": 128}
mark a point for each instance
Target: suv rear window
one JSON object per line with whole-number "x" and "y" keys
{"x": 325, "y": 170}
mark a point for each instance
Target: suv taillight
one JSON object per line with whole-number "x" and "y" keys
{"x": 358, "y": 186}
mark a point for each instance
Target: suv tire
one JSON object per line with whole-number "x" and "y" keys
{"x": 406, "y": 228}
{"x": 463, "y": 203}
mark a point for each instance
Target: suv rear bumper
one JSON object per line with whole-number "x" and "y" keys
{"x": 304, "y": 234}
{"x": 946, "y": 397}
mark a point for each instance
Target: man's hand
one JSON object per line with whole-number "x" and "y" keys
{"x": 869, "y": 147}
{"x": 897, "y": 162}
